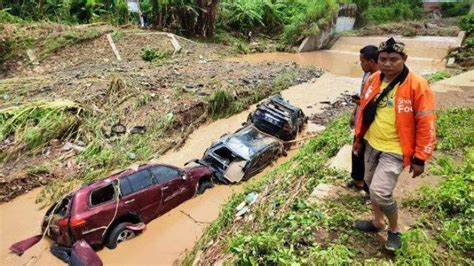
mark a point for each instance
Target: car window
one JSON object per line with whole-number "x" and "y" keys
{"x": 125, "y": 187}
{"x": 140, "y": 180}
{"x": 102, "y": 195}
{"x": 164, "y": 174}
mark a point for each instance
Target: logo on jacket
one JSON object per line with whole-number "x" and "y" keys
{"x": 404, "y": 106}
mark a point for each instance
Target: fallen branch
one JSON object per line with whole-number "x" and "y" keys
{"x": 114, "y": 48}
{"x": 192, "y": 218}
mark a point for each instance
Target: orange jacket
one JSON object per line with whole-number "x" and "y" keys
{"x": 415, "y": 117}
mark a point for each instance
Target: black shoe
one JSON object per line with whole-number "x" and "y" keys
{"x": 394, "y": 241}
{"x": 353, "y": 185}
{"x": 366, "y": 226}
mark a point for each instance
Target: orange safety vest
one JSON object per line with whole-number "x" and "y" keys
{"x": 415, "y": 118}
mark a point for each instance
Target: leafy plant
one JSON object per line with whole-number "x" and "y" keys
{"x": 439, "y": 75}
{"x": 417, "y": 249}
{"x": 454, "y": 128}
{"x": 154, "y": 55}
{"x": 467, "y": 23}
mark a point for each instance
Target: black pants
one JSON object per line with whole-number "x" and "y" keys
{"x": 358, "y": 169}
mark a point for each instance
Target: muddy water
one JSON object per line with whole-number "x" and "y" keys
{"x": 425, "y": 55}
{"x": 169, "y": 236}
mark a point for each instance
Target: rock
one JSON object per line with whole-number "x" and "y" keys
{"x": 138, "y": 130}
{"x": 451, "y": 62}
{"x": 81, "y": 143}
{"x": 67, "y": 146}
{"x": 321, "y": 192}
{"x": 118, "y": 129}
{"x": 131, "y": 155}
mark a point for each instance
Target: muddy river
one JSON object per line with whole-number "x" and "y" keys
{"x": 169, "y": 236}
{"x": 425, "y": 54}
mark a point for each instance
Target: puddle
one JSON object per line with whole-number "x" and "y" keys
{"x": 425, "y": 55}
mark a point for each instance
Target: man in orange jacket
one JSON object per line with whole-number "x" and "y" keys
{"x": 397, "y": 124}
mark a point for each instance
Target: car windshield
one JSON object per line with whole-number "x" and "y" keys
{"x": 248, "y": 142}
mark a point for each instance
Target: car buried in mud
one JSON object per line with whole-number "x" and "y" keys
{"x": 277, "y": 117}
{"x": 241, "y": 155}
{"x": 115, "y": 209}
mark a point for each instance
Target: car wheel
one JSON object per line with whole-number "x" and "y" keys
{"x": 118, "y": 235}
{"x": 203, "y": 185}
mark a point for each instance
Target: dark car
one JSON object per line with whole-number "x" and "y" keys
{"x": 241, "y": 155}
{"x": 279, "y": 118}
{"x": 107, "y": 212}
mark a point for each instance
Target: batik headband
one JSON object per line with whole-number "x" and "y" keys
{"x": 392, "y": 46}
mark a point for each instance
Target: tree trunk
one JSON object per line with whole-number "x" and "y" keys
{"x": 206, "y": 20}
{"x": 155, "y": 13}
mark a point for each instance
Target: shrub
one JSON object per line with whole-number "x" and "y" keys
{"x": 455, "y": 9}
{"x": 153, "y": 55}
{"x": 467, "y": 23}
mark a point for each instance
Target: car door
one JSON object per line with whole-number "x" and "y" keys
{"x": 175, "y": 186}
{"x": 139, "y": 191}
{"x": 261, "y": 161}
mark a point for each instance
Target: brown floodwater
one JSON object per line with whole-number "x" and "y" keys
{"x": 171, "y": 235}
{"x": 425, "y": 55}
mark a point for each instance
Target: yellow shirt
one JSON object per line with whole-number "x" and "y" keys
{"x": 382, "y": 134}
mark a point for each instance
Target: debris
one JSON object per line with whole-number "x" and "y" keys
{"x": 20, "y": 247}
{"x": 83, "y": 254}
{"x": 119, "y": 129}
{"x": 242, "y": 211}
{"x": 175, "y": 43}
{"x": 131, "y": 155}
{"x": 32, "y": 57}
{"x": 114, "y": 48}
{"x": 69, "y": 146}
{"x": 321, "y": 192}
{"x": 251, "y": 198}
{"x": 451, "y": 62}
{"x": 138, "y": 130}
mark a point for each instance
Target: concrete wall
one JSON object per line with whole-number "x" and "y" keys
{"x": 344, "y": 24}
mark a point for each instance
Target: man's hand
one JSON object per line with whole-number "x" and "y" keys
{"x": 416, "y": 169}
{"x": 356, "y": 148}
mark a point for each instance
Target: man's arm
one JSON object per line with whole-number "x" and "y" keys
{"x": 425, "y": 123}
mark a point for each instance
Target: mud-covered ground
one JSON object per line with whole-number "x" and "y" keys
{"x": 131, "y": 92}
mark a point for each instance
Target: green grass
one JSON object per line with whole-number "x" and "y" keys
{"x": 285, "y": 228}
{"x": 35, "y": 124}
{"x": 223, "y": 104}
{"x": 439, "y": 75}
{"x": 455, "y": 128}
{"x": 154, "y": 55}
{"x": 450, "y": 205}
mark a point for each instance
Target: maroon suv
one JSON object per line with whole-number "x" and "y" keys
{"x": 104, "y": 212}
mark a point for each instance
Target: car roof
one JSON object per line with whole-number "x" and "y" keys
{"x": 248, "y": 141}
{"x": 125, "y": 172}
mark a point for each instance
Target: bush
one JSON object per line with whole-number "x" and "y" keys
{"x": 6, "y": 17}
{"x": 454, "y": 128}
{"x": 467, "y": 23}
{"x": 153, "y": 55}
{"x": 395, "y": 12}
{"x": 312, "y": 17}
{"x": 455, "y": 9}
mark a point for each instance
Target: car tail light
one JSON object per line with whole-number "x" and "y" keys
{"x": 287, "y": 127}
{"x": 63, "y": 222}
{"x": 77, "y": 222}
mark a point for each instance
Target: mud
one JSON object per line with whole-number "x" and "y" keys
{"x": 425, "y": 55}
